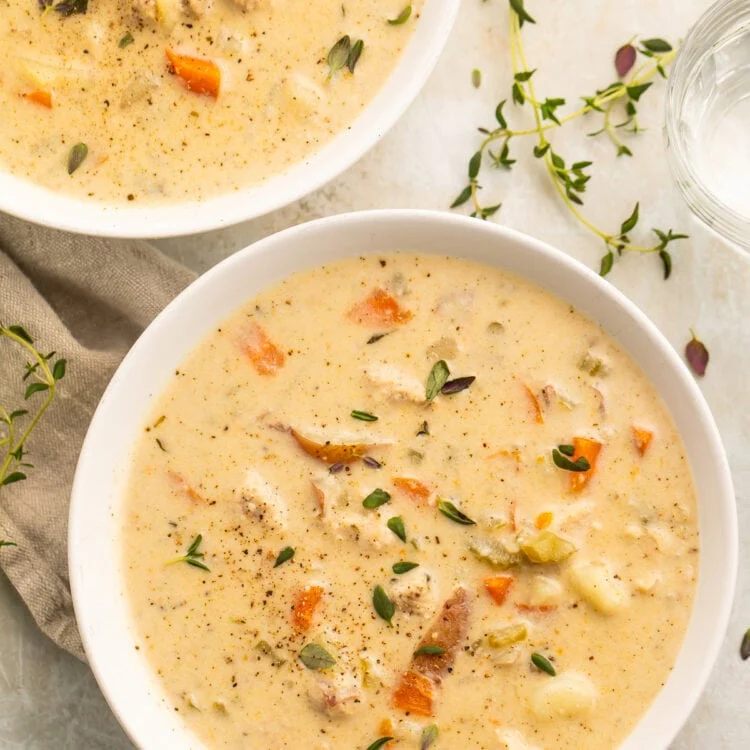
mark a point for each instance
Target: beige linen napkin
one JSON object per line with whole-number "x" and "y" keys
{"x": 87, "y": 299}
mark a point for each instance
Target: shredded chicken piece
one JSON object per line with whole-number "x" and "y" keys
{"x": 370, "y": 530}
{"x": 337, "y": 694}
{"x": 146, "y": 9}
{"x": 262, "y": 502}
{"x": 395, "y": 383}
{"x": 415, "y": 594}
{"x": 167, "y": 11}
{"x": 365, "y": 528}
{"x": 444, "y": 348}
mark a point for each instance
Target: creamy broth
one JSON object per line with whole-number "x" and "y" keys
{"x": 80, "y": 79}
{"x": 593, "y": 570}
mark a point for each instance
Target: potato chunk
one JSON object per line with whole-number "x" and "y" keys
{"x": 595, "y": 583}
{"x": 567, "y": 696}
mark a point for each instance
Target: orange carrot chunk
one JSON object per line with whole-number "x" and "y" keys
{"x": 197, "y": 75}
{"x": 543, "y": 520}
{"x": 328, "y": 452}
{"x": 379, "y": 309}
{"x": 264, "y": 355}
{"x": 535, "y": 405}
{"x": 413, "y": 488}
{"x": 642, "y": 439}
{"x": 589, "y": 449}
{"x": 414, "y": 694}
{"x": 303, "y": 609}
{"x": 43, "y": 98}
{"x": 498, "y": 587}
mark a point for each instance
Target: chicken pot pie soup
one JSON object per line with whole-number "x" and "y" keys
{"x": 161, "y": 101}
{"x": 410, "y": 497}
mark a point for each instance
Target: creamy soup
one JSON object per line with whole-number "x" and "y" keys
{"x": 165, "y": 100}
{"x": 406, "y": 494}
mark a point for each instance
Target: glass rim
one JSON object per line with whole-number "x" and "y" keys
{"x": 701, "y": 41}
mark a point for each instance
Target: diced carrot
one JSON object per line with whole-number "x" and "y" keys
{"x": 328, "y": 452}
{"x": 413, "y": 488}
{"x": 543, "y": 520}
{"x": 198, "y": 75}
{"x": 44, "y": 98}
{"x": 184, "y": 486}
{"x": 264, "y": 355}
{"x": 498, "y": 587}
{"x": 588, "y": 449}
{"x": 385, "y": 728}
{"x": 303, "y": 609}
{"x": 379, "y": 309}
{"x": 535, "y": 405}
{"x": 414, "y": 694}
{"x": 642, "y": 438}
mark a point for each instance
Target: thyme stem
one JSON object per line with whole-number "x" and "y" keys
{"x": 570, "y": 181}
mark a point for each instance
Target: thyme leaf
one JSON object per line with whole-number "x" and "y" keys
{"x": 396, "y": 525}
{"x": 338, "y": 55}
{"x": 449, "y": 510}
{"x": 354, "y": 54}
{"x": 379, "y": 743}
{"x": 286, "y": 554}
{"x": 562, "y": 460}
{"x": 436, "y": 379}
{"x": 315, "y": 657}
{"x": 697, "y": 355}
{"x": 400, "y": 568}
{"x": 402, "y": 17}
{"x": 376, "y": 498}
{"x": 383, "y": 605}
{"x": 193, "y": 556}
{"x": 543, "y": 663}
{"x": 457, "y": 385}
{"x": 429, "y": 736}
{"x": 430, "y": 651}
{"x": 77, "y": 156}
{"x": 363, "y": 416}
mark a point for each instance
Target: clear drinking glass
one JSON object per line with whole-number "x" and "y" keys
{"x": 708, "y": 119}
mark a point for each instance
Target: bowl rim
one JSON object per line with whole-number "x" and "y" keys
{"x": 24, "y": 199}
{"x": 689, "y": 683}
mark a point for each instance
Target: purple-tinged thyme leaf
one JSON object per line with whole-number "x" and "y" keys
{"x": 697, "y": 355}
{"x": 457, "y": 385}
{"x": 625, "y": 59}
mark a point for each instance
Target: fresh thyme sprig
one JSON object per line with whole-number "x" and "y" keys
{"x": 193, "y": 556}
{"x": 570, "y": 180}
{"x": 16, "y": 425}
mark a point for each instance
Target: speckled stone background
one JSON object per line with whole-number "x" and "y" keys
{"x": 48, "y": 700}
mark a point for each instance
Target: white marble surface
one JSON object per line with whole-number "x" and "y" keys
{"x": 47, "y": 699}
